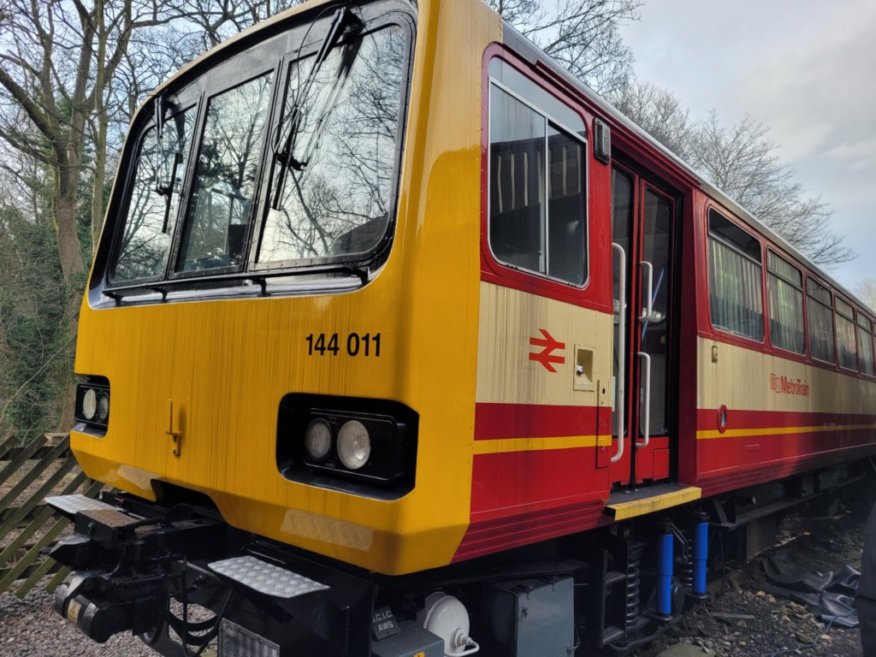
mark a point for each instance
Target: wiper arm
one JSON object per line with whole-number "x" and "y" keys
{"x": 284, "y": 147}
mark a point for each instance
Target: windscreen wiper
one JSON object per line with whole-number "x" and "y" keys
{"x": 162, "y": 187}
{"x": 284, "y": 147}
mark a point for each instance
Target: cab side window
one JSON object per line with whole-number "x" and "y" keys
{"x": 537, "y": 219}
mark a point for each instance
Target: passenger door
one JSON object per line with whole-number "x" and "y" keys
{"x": 643, "y": 235}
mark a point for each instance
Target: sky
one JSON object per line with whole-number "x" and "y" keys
{"x": 804, "y": 68}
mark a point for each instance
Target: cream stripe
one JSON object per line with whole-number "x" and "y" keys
{"x": 778, "y": 431}
{"x": 508, "y": 445}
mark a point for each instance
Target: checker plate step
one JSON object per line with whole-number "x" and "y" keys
{"x": 266, "y": 578}
{"x": 73, "y": 504}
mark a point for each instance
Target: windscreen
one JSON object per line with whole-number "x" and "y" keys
{"x": 336, "y": 201}
{"x": 284, "y": 158}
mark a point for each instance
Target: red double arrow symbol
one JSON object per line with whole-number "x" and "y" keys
{"x": 546, "y": 356}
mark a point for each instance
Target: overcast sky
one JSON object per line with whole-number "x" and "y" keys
{"x": 805, "y": 68}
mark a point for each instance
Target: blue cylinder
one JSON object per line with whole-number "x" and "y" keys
{"x": 701, "y": 556}
{"x": 664, "y": 576}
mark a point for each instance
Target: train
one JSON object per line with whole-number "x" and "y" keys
{"x": 401, "y": 342}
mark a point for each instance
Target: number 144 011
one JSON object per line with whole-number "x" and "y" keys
{"x": 352, "y": 344}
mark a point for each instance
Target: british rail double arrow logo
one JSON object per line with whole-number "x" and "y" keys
{"x": 546, "y": 356}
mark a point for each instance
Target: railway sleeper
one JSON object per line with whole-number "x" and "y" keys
{"x": 144, "y": 568}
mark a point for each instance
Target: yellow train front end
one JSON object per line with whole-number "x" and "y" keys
{"x": 287, "y": 281}
{"x": 217, "y": 367}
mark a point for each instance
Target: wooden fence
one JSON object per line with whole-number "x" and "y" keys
{"x": 28, "y": 474}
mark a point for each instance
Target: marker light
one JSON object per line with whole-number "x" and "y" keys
{"x": 89, "y": 404}
{"x": 354, "y": 445}
{"x": 318, "y": 439}
{"x": 103, "y": 407}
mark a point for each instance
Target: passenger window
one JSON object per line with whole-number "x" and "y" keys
{"x": 866, "y": 343}
{"x": 820, "y": 319}
{"x": 735, "y": 297}
{"x": 845, "y": 333}
{"x": 537, "y": 201}
{"x": 785, "y": 287}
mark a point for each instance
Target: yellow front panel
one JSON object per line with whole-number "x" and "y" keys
{"x": 226, "y": 364}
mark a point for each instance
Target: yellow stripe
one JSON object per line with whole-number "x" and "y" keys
{"x": 778, "y": 431}
{"x": 508, "y": 445}
{"x": 633, "y": 508}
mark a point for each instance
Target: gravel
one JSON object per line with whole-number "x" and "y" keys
{"x": 741, "y": 619}
{"x": 31, "y": 628}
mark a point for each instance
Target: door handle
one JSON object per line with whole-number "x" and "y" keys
{"x": 621, "y": 352}
{"x": 649, "y": 268}
{"x": 646, "y": 432}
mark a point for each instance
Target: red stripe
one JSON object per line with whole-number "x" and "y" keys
{"x": 707, "y": 419}
{"x": 536, "y": 421}
{"x": 503, "y": 482}
{"x": 486, "y": 536}
{"x": 727, "y": 479}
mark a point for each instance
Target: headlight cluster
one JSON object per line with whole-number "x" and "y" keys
{"x": 331, "y": 440}
{"x": 93, "y": 404}
{"x": 368, "y": 445}
{"x": 353, "y": 444}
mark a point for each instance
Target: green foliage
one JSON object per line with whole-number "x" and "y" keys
{"x": 35, "y": 347}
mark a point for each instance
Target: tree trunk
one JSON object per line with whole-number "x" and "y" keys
{"x": 72, "y": 268}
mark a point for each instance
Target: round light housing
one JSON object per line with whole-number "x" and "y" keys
{"x": 318, "y": 439}
{"x": 102, "y": 407}
{"x": 354, "y": 445}
{"x": 89, "y": 404}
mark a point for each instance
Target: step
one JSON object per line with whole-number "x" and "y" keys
{"x": 265, "y": 577}
{"x": 626, "y": 504}
{"x": 73, "y": 504}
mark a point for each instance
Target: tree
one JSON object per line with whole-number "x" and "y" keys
{"x": 867, "y": 291}
{"x": 742, "y": 162}
{"x": 582, "y": 35}
{"x": 658, "y": 112}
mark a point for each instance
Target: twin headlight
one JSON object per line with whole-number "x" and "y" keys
{"x": 93, "y": 404}
{"x": 352, "y": 445}
{"x": 347, "y": 443}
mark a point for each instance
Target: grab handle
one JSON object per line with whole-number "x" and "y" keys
{"x": 621, "y": 351}
{"x": 646, "y": 431}
{"x": 646, "y": 311}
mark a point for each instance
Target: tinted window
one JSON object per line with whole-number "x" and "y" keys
{"x": 735, "y": 297}
{"x": 865, "y": 344}
{"x": 845, "y": 335}
{"x": 820, "y": 317}
{"x": 785, "y": 286}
